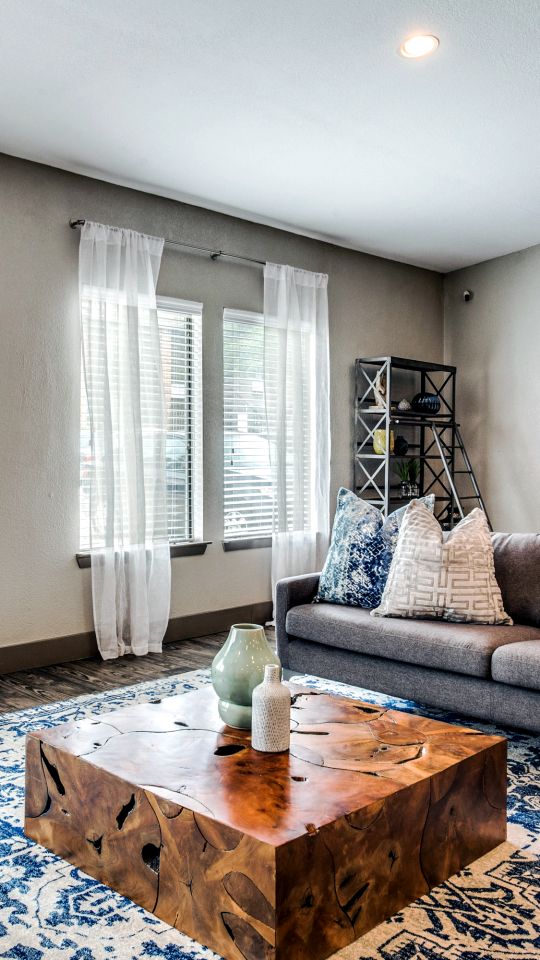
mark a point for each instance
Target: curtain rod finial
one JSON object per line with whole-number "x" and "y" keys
{"x": 76, "y": 223}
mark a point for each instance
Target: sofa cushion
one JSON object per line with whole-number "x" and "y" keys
{"x": 517, "y": 568}
{"x": 434, "y": 578}
{"x": 518, "y": 664}
{"x": 462, "y": 648}
{"x": 361, "y": 551}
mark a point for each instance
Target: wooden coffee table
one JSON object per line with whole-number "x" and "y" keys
{"x": 258, "y": 856}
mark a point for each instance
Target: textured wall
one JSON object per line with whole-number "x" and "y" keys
{"x": 494, "y": 340}
{"x": 376, "y": 307}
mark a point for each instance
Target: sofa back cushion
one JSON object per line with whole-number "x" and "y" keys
{"x": 361, "y": 551}
{"x": 517, "y": 568}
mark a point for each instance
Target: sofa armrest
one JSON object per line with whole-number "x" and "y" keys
{"x": 291, "y": 592}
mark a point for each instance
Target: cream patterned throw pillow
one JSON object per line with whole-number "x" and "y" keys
{"x": 432, "y": 580}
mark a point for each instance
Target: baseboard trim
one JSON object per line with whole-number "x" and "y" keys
{"x": 80, "y": 646}
{"x": 43, "y": 653}
{"x": 199, "y": 624}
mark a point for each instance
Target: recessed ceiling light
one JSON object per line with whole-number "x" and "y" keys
{"x": 418, "y": 46}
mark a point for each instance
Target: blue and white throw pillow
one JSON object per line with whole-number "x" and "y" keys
{"x": 361, "y": 551}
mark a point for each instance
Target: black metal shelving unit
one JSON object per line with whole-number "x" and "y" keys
{"x": 434, "y": 439}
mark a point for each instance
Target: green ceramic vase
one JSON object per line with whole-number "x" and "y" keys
{"x": 237, "y": 669}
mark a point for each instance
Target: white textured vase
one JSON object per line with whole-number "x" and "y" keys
{"x": 271, "y": 716}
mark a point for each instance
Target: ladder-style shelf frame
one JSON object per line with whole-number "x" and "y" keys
{"x": 440, "y": 439}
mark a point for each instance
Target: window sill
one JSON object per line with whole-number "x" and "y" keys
{"x": 177, "y": 550}
{"x": 247, "y": 543}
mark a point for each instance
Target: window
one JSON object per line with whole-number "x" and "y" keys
{"x": 292, "y": 422}
{"x": 246, "y": 463}
{"x": 180, "y": 339}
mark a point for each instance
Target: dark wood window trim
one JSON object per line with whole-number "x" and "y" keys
{"x": 247, "y": 543}
{"x": 177, "y": 550}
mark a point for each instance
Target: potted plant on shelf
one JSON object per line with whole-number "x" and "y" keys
{"x": 414, "y": 473}
{"x": 401, "y": 467}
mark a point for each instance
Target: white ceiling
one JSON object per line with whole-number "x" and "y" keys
{"x": 296, "y": 113}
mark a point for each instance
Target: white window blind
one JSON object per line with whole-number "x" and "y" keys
{"x": 180, "y": 331}
{"x": 246, "y": 463}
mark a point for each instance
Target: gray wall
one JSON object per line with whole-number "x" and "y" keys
{"x": 377, "y": 307}
{"x": 494, "y": 340}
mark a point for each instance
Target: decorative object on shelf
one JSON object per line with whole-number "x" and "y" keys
{"x": 426, "y": 403}
{"x": 237, "y": 669}
{"x": 414, "y": 473}
{"x": 450, "y": 519}
{"x": 271, "y": 718}
{"x": 379, "y": 441}
{"x": 401, "y": 467}
{"x": 380, "y": 392}
{"x": 404, "y": 405}
{"x": 401, "y": 446}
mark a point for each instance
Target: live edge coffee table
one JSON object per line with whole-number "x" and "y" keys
{"x": 288, "y": 856}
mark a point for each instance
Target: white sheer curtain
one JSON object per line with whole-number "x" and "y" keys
{"x": 296, "y": 381}
{"x": 131, "y": 570}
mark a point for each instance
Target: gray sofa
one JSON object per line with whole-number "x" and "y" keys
{"x": 492, "y": 673}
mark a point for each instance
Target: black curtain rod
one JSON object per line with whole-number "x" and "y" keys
{"x": 214, "y": 254}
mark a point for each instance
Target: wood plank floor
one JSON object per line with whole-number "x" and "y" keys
{"x": 30, "y": 688}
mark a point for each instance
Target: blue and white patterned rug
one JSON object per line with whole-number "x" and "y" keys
{"x": 48, "y": 908}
